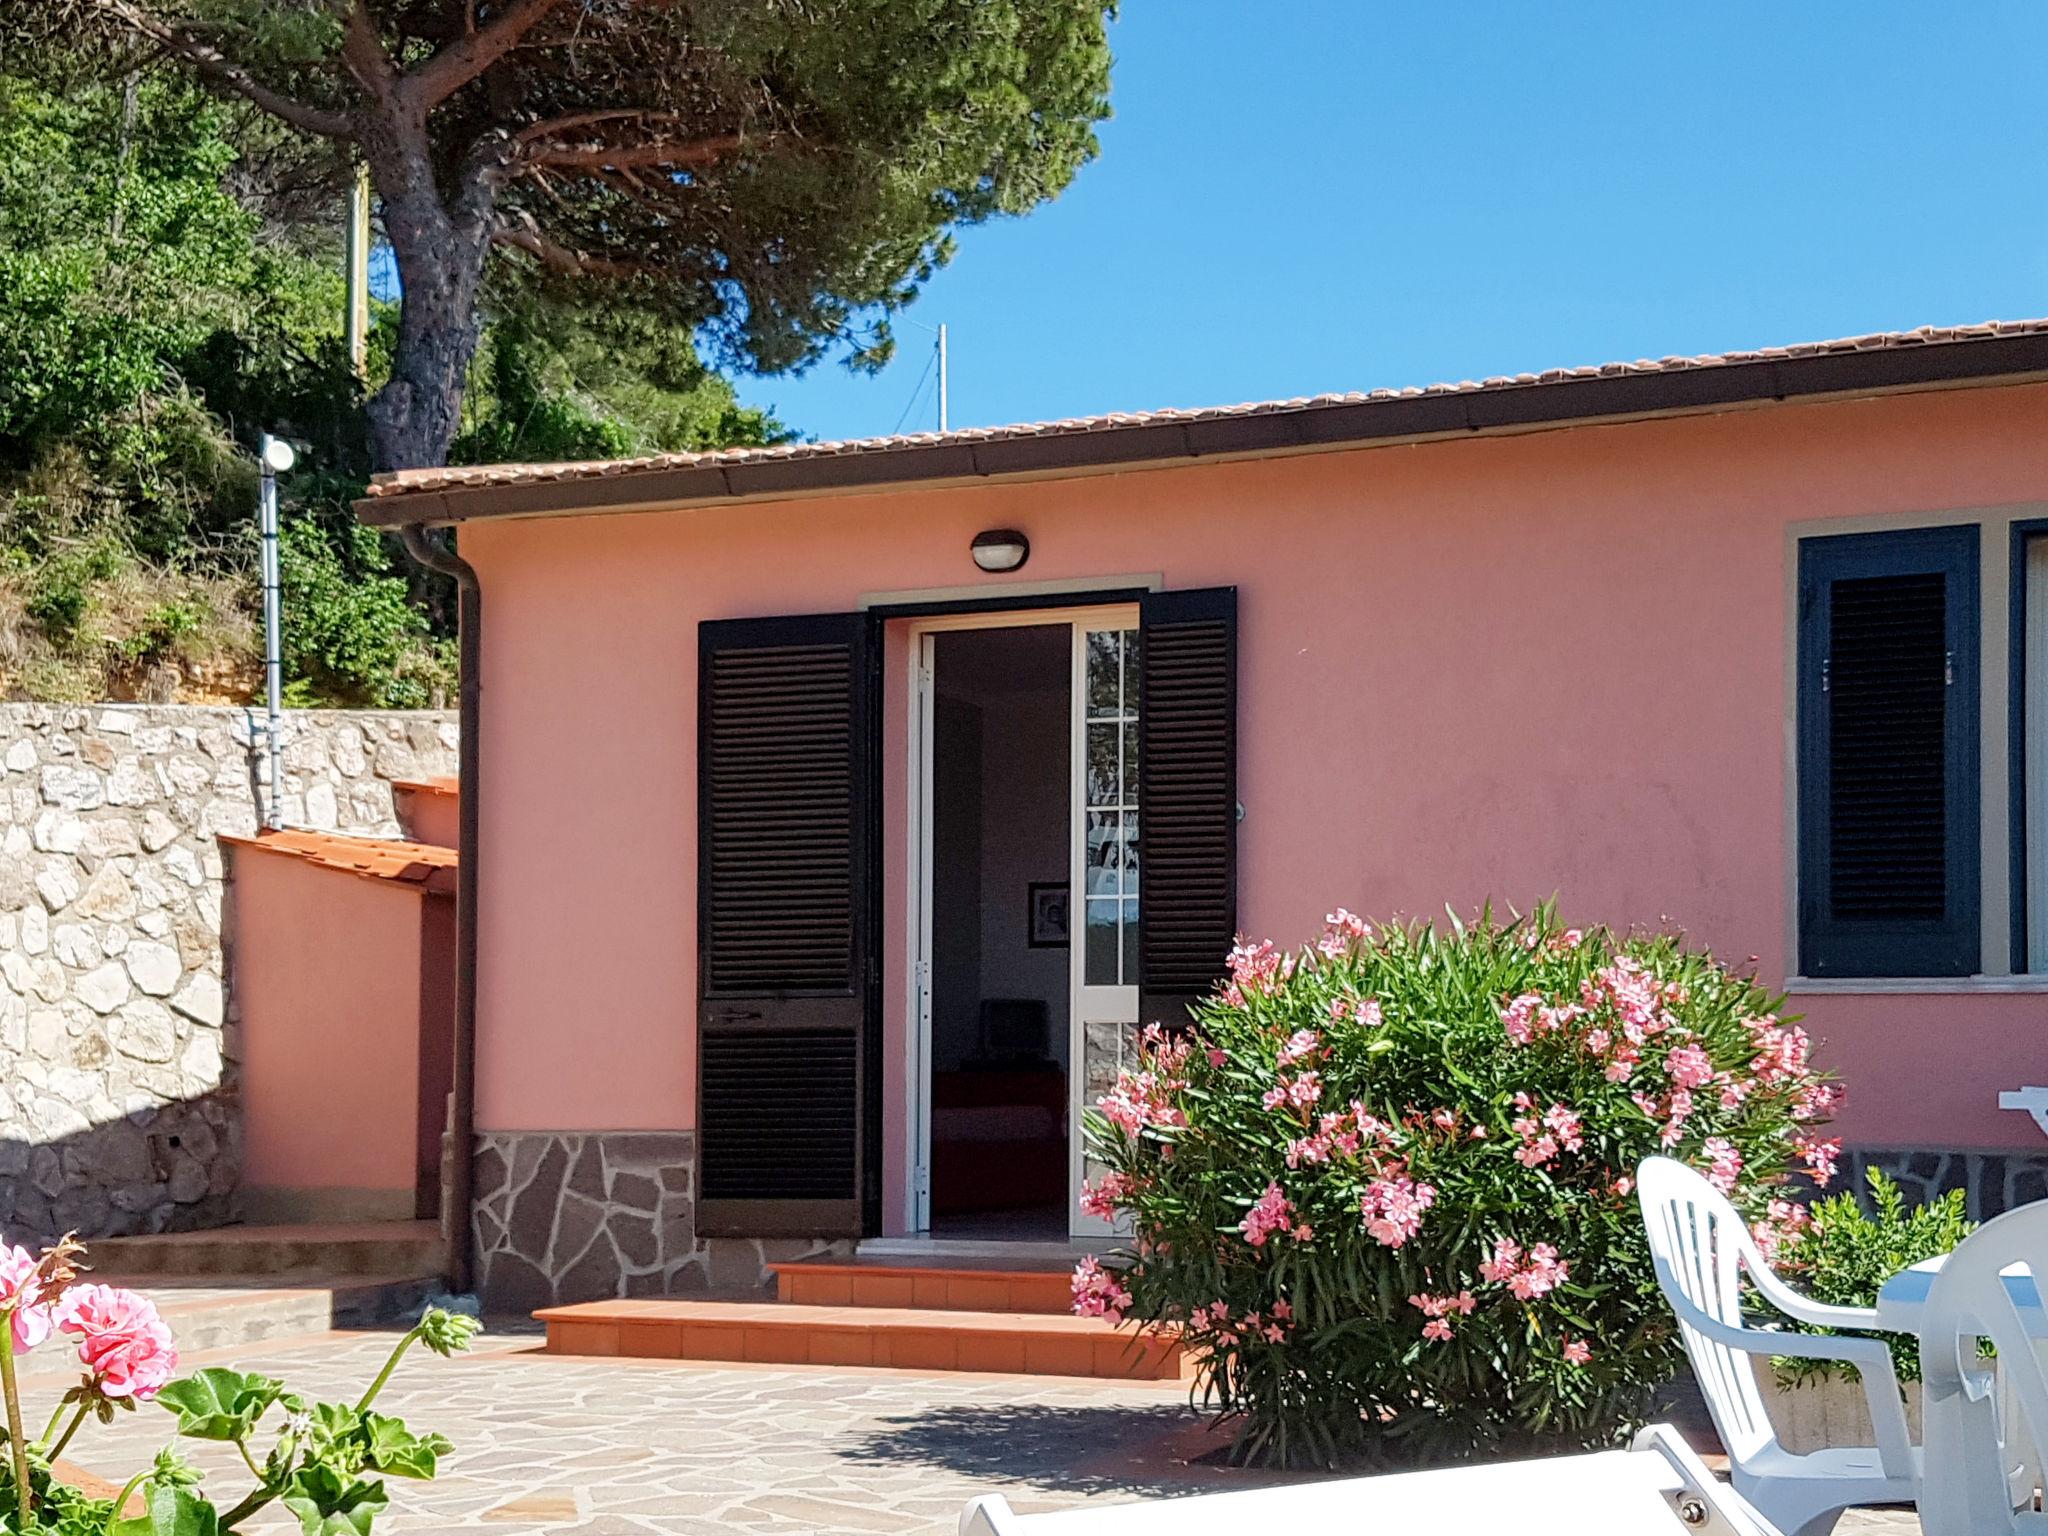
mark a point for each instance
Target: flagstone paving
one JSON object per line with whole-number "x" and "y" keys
{"x": 630, "y": 1447}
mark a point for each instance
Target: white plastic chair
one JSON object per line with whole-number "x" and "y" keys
{"x": 1656, "y": 1488}
{"x": 1975, "y": 1477}
{"x": 1702, "y": 1248}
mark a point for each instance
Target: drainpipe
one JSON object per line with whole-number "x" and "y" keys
{"x": 462, "y": 1119}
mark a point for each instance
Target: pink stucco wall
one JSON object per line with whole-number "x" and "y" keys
{"x": 428, "y": 813}
{"x": 327, "y": 983}
{"x": 1497, "y": 667}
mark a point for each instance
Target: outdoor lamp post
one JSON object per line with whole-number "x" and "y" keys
{"x": 275, "y": 456}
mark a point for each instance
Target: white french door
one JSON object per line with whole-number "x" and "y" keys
{"x": 1103, "y": 959}
{"x": 1102, "y": 875}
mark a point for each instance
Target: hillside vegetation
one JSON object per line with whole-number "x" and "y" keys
{"x": 171, "y": 287}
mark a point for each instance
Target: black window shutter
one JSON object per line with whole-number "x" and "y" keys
{"x": 1888, "y": 754}
{"x": 1187, "y": 796}
{"x": 788, "y": 1116}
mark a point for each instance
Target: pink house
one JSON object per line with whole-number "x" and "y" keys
{"x": 835, "y": 812}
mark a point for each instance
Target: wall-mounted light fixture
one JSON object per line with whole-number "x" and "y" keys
{"x": 1000, "y": 549}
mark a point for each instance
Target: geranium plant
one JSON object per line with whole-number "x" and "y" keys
{"x": 323, "y": 1462}
{"x": 1384, "y": 1185}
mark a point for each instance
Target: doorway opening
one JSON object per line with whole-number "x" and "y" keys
{"x": 1000, "y": 702}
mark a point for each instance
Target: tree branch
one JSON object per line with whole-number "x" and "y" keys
{"x": 560, "y": 258}
{"x": 363, "y": 51}
{"x": 449, "y": 70}
{"x": 670, "y": 154}
{"x": 210, "y": 63}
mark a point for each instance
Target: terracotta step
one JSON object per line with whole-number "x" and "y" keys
{"x": 328, "y": 1248}
{"x": 784, "y": 1333}
{"x": 961, "y": 1288}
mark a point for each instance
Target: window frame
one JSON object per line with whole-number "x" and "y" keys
{"x": 2023, "y": 533}
{"x": 1828, "y": 949}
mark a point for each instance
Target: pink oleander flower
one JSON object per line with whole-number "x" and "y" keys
{"x": 1689, "y": 1066}
{"x": 1440, "y": 1309}
{"x": 1216, "y": 1057}
{"x": 1097, "y": 1293}
{"x": 1507, "y": 1258}
{"x": 1542, "y": 1271}
{"x": 1269, "y": 1214}
{"x": 1566, "y": 1125}
{"x": 1342, "y": 932}
{"x": 1393, "y": 1208}
{"x": 1518, "y": 1017}
{"x": 1577, "y": 1351}
{"x": 1819, "y": 1156}
{"x": 1103, "y": 1198}
{"x": 1724, "y": 1163}
{"x": 1301, "y": 1045}
{"x": 124, "y": 1345}
{"x": 21, "y": 1292}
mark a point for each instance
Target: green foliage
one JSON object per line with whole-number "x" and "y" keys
{"x": 1385, "y": 1182}
{"x": 354, "y": 634}
{"x": 325, "y": 1466}
{"x": 1847, "y": 1252}
{"x": 162, "y": 300}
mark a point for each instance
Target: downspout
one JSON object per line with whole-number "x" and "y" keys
{"x": 462, "y": 1115}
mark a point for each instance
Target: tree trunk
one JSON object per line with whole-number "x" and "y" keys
{"x": 440, "y": 256}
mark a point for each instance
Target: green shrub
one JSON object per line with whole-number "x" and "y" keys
{"x": 1385, "y": 1184}
{"x": 1846, "y": 1253}
{"x": 351, "y": 633}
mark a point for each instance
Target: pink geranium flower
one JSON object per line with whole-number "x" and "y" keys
{"x": 21, "y": 1294}
{"x": 122, "y": 1342}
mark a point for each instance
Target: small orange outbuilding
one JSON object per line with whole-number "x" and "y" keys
{"x": 342, "y": 954}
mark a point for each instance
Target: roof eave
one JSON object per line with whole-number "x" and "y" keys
{"x": 1539, "y": 405}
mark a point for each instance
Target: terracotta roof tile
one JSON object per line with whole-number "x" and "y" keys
{"x": 408, "y": 481}
{"x": 375, "y": 858}
{"x": 440, "y": 784}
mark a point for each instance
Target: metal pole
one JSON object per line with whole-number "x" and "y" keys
{"x": 269, "y": 453}
{"x": 356, "y": 318}
{"x": 942, "y": 378}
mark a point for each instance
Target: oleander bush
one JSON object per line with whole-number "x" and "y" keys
{"x": 1384, "y": 1183}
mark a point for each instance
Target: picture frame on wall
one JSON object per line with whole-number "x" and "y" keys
{"x": 1047, "y": 916}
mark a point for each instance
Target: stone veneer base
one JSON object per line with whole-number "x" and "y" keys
{"x": 1991, "y": 1180}
{"x": 568, "y": 1216}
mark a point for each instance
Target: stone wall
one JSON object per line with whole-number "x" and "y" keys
{"x": 1991, "y": 1181}
{"x": 563, "y": 1216}
{"x": 118, "y": 1110}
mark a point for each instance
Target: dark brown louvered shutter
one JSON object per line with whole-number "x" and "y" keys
{"x": 788, "y": 1123}
{"x": 1187, "y": 796}
{"x": 1888, "y": 754}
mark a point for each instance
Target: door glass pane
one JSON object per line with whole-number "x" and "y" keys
{"x": 1105, "y": 661}
{"x": 1105, "y": 763}
{"x": 1102, "y": 863}
{"x": 1103, "y": 953}
{"x": 1110, "y": 792}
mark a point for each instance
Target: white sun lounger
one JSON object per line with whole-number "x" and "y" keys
{"x": 1656, "y": 1488}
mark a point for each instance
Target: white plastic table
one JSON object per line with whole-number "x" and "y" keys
{"x": 1952, "y": 1444}
{"x": 1903, "y": 1298}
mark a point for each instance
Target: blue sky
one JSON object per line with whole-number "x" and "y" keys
{"x": 1309, "y": 195}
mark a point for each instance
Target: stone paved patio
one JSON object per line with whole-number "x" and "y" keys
{"x": 624, "y": 1447}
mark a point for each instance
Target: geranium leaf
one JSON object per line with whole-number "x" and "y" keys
{"x": 329, "y": 1504}
{"x": 218, "y": 1404}
{"x": 172, "y": 1511}
{"x": 397, "y": 1450}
